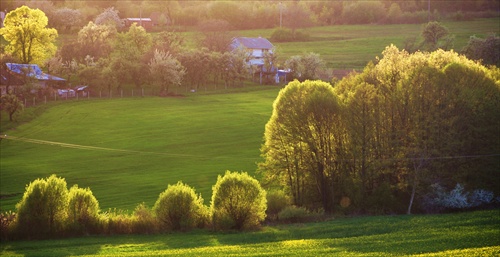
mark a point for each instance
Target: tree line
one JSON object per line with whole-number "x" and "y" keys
{"x": 65, "y": 16}
{"x": 389, "y": 139}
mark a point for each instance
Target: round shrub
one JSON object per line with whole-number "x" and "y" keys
{"x": 179, "y": 208}
{"x": 42, "y": 211}
{"x": 83, "y": 210}
{"x": 238, "y": 202}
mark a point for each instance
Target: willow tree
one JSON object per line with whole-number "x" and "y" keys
{"x": 29, "y": 38}
{"x": 302, "y": 143}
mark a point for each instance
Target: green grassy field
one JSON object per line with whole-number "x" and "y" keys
{"x": 353, "y": 46}
{"x": 461, "y": 234}
{"x": 128, "y": 150}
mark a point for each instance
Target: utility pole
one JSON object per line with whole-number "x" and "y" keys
{"x": 281, "y": 14}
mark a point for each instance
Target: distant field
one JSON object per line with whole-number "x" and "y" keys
{"x": 353, "y": 46}
{"x": 128, "y": 150}
{"x": 461, "y": 234}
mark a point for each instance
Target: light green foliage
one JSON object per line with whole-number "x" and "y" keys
{"x": 304, "y": 67}
{"x": 179, "y": 208}
{"x": 29, "y": 38}
{"x": 83, "y": 209}
{"x": 238, "y": 202}
{"x": 300, "y": 138}
{"x": 128, "y": 61}
{"x": 44, "y": 208}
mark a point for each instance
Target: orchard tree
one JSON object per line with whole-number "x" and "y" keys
{"x": 65, "y": 19}
{"x": 110, "y": 17}
{"x": 95, "y": 40}
{"x": 165, "y": 71}
{"x": 29, "y": 38}
{"x": 11, "y": 104}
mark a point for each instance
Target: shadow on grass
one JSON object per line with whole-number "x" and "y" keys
{"x": 396, "y": 235}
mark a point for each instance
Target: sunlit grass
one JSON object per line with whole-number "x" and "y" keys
{"x": 461, "y": 234}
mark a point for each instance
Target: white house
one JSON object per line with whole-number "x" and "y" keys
{"x": 255, "y": 46}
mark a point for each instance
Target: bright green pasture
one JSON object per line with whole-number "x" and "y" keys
{"x": 128, "y": 150}
{"x": 353, "y": 46}
{"x": 463, "y": 234}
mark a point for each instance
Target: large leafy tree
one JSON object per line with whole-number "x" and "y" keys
{"x": 302, "y": 140}
{"x": 29, "y": 38}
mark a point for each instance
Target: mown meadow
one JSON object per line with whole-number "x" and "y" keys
{"x": 460, "y": 234}
{"x": 128, "y": 150}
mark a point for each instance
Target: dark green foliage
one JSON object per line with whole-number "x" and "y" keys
{"x": 277, "y": 200}
{"x": 487, "y": 50}
{"x": 42, "y": 211}
{"x": 238, "y": 202}
{"x": 287, "y": 35}
{"x": 293, "y": 214}
{"x": 179, "y": 208}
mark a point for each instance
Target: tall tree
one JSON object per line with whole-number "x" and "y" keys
{"x": 302, "y": 142}
{"x": 29, "y": 38}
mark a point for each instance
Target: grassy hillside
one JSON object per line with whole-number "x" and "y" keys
{"x": 462, "y": 234}
{"x": 128, "y": 150}
{"x": 353, "y": 46}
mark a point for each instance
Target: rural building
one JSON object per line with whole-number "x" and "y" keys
{"x": 16, "y": 74}
{"x": 256, "y": 49}
{"x": 146, "y": 23}
{"x": 255, "y": 46}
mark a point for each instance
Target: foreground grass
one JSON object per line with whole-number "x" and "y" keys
{"x": 128, "y": 150}
{"x": 462, "y": 234}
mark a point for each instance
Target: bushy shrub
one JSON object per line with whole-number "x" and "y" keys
{"x": 145, "y": 221}
{"x": 83, "y": 210}
{"x": 277, "y": 200}
{"x": 293, "y": 214}
{"x": 238, "y": 202}
{"x": 116, "y": 222}
{"x": 179, "y": 208}
{"x": 42, "y": 211}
